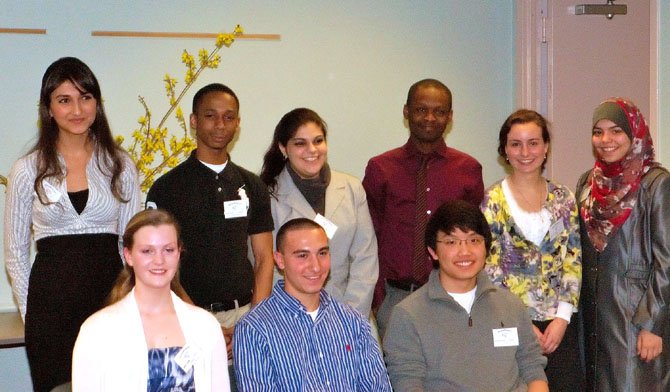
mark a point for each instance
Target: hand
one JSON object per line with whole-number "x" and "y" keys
{"x": 553, "y": 334}
{"x": 649, "y": 345}
{"x": 539, "y": 336}
{"x": 228, "y": 337}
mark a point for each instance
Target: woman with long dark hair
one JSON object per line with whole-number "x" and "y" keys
{"x": 73, "y": 193}
{"x": 624, "y": 217}
{"x": 150, "y": 337}
{"x": 302, "y": 185}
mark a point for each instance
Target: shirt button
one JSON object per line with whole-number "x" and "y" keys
{"x": 428, "y": 212}
{"x": 428, "y": 189}
{"x": 320, "y": 355}
{"x": 217, "y": 177}
{"x": 219, "y": 189}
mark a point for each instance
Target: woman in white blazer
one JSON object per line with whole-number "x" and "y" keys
{"x": 150, "y": 338}
{"x": 302, "y": 184}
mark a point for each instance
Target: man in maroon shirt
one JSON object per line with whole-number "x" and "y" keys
{"x": 391, "y": 186}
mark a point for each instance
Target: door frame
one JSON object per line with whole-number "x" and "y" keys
{"x": 533, "y": 70}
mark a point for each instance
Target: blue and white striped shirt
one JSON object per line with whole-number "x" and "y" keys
{"x": 278, "y": 347}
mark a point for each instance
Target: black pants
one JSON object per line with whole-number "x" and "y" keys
{"x": 564, "y": 370}
{"x": 70, "y": 280}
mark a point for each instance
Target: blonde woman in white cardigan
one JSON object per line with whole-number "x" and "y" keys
{"x": 150, "y": 338}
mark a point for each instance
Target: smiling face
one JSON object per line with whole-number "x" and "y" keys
{"x": 610, "y": 141}
{"x": 215, "y": 124}
{"x": 72, "y": 109}
{"x": 304, "y": 258}
{"x": 307, "y": 150}
{"x": 525, "y": 148}
{"x": 461, "y": 255}
{"x": 154, "y": 256}
{"x": 428, "y": 113}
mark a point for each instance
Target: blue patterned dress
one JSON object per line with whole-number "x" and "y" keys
{"x": 165, "y": 375}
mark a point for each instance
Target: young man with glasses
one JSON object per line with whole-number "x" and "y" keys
{"x": 459, "y": 331}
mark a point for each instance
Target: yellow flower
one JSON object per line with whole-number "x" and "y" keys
{"x": 148, "y": 142}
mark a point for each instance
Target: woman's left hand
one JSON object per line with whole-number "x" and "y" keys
{"x": 553, "y": 335}
{"x": 649, "y": 345}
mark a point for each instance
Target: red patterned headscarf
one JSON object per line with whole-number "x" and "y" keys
{"x": 614, "y": 186}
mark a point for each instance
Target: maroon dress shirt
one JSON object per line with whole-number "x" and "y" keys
{"x": 390, "y": 184}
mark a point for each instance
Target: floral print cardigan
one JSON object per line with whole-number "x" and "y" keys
{"x": 541, "y": 276}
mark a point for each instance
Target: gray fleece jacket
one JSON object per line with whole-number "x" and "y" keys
{"x": 433, "y": 344}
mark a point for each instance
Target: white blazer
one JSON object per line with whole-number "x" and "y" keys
{"x": 111, "y": 353}
{"x": 353, "y": 249}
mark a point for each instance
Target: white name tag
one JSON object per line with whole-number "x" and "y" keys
{"x": 505, "y": 337}
{"x": 556, "y": 229}
{"x": 327, "y": 225}
{"x": 235, "y": 208}
{"x": 51, "y": 192}
{"x": 186, "y": 357}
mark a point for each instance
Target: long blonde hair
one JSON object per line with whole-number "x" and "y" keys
{"x": 126, "y": 279}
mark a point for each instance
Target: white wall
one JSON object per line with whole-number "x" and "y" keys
{"x": 351, "y": 61}
{"x": 663, "y": 146}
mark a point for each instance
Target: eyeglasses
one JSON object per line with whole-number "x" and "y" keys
{"x": 452, "y": 242}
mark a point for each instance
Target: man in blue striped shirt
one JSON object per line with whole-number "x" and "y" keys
{"x": 300, "y": 338}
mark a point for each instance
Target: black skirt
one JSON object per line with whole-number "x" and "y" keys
{"x": 70, "y": 280}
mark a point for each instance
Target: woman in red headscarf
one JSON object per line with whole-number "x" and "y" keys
{"x": 625, "y": 230}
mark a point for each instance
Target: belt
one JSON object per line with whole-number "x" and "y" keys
{"x": 222, "y": 306}
{"x": 403, "y": 285}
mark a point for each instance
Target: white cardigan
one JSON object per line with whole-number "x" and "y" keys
{"x": 111, "y": 353}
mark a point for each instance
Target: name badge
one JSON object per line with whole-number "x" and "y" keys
{"x": 505, "y": 337}
{"x": 327, "y": 225}
{"x": 186, "y": 357}
{"x": 235, "y": 208}
{"x": 51, "y": 192}
{"x": 556, "y": 229}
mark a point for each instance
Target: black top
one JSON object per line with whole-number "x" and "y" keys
{"x": 214, "y": 264}
{"x": 78, "y": 200}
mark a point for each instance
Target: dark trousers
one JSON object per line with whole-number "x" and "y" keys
{"x": 70, "y": 280}
{"x": 564, "y": 370}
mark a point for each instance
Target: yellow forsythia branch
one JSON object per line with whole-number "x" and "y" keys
{"x": 148, "y": 141}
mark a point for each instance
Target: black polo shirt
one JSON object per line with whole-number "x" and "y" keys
{"x": 214, "y": 263}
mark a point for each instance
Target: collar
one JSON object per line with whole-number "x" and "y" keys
{"x": 437, "y": 292}
{"x": 441, "y": 149}
{"x": 291, "y": 304}
{"x": 195, "y": 163}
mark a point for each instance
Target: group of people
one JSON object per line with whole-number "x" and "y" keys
{"x": 295, "y": 279}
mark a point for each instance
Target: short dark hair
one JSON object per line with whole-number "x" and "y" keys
{"x": 457, "y": 214}
{"x": 292, "y": 225}
{"x": 428, "y": 83}
{"x": 211, "y": 88}
{"x": 522, "y": 116}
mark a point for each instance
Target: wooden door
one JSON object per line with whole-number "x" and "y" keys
{"x": 567, "y": 64}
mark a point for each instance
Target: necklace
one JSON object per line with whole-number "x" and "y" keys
{"x": 532, "y": 203}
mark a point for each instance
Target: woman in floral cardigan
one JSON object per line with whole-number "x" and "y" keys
{"x": 536, "y": 251}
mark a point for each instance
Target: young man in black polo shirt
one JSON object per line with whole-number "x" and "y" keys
{"x": 219, "y": 205}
